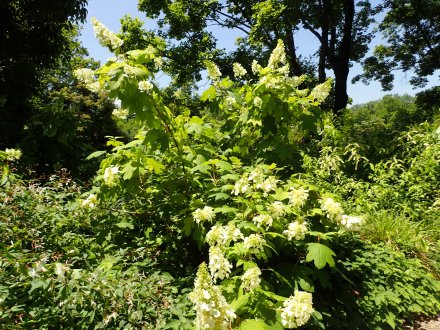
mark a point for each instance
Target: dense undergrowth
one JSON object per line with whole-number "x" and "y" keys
{"x": 261, "y": 212}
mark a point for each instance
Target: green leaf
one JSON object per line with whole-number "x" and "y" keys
{"x": 209, "y": 94}
{"x": 195, "y": 125}
{"x": 320, "y": 255}
{"x": 96, "y": 154}
{"x": 125, "y": 224}
{"x": 240, "y": 303}
{"x": 254, "y": 325}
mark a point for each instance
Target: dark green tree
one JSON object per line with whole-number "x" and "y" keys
{"x": 411, "y": 29}
{"x": 68, "y": 121}
{"x": 33, "y": 35}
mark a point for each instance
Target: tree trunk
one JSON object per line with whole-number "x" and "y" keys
{"x": 291, "y": 52}
{"x": 341, "y": 65}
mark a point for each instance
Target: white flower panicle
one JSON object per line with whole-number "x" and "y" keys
{"x": 257, "y": 175}
{"x": 278, "y": 209}
{"x": 94, "y": 87}
{"x": 256, "y": 68}
{"x": 130, "y": 70}
{"x": 85, "y": 75}
{"x": 205, "y": 214}
{"x": 158, "y": 62}
{"x": 333, "y": 209}
{"x": 321, "y": 91}
{"x": 269, "y": 184}
{"x": 120, "y": 113}
{"x": 298, "y": 197}
{"x": 297, "y": 310}
{"x": 213, "y": 71}
{"x": 230, "y": 100}
{"x": 351, "y": 222}
{"x": 105, "y": 36}
{"x": 251, "y": 278}
{"x": 90, "y": 202}
{"x": 223, "y": 235}
{"x": 13, "y": 154}
{"x": 241, "y": 187}
{"x": 111, "y": 177}
{"x": 239, "y": 71}
{"x": 212, "y": 310}
{"x": 219, "y": 266}
{"x": 296, "y": 230}
{"x": 258, "y": 102}
{"x": 254, "y": 243}
{"x": 263, "y": 220}
{"x": 278, "y": 56}
{"x": 145, "y": 86}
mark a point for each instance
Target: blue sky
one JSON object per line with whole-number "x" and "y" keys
{"x": 109, "y": 13}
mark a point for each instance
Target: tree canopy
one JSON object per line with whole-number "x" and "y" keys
{"x": 411, "y": 29}
{"x": 34, "y": 33}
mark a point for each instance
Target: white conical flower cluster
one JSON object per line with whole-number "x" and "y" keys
{"x": 205, "y": 214}
{"x": 212, "y": 309}
{"x": 90, "y": 202}
{"x": 111, "y": 177}
{"x": 239, "y": 71}
{"x": 263, "y": 220}
{"x": 251, "y": 278}
{"x": 278, "y": 56}
{"x": 333, "y": 209}
{"x": 13, "y": 154}
{"x": 297, "y": 310}
{"x": 223, "y": 235}
{"x": 105, "y": 36}
{"x": 254, "y": 243}
{"x": 85, "y": 75}
{"x": 213, "y": 71}
{"x": 298, "y": 197}
{"x": 296, "y": 230}
{"x": 219, "y": 266}
{"x": 120, "y": 113}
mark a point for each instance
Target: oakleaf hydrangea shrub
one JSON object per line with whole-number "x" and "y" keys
{"x": 226, "y": 187}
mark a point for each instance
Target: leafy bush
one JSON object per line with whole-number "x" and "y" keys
{"x": 247, "y": 199}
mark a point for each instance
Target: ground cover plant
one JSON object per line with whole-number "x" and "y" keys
{"x": 255, "y": 213}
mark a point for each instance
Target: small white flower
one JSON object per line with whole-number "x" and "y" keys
{"x": 333, "y": 209}
{"x": 111, "y": 176}
{"x": 158, "y": 62}
{"x": 298, "y": 197}
{"x": 90, "y": 202}
{"x": 278, "y": 209}
{"x": 241, "y": 187}
{"x": 13, "y": 154}
{"x": 120, "y": 113}
{"x": 84, "y": 75}
{"x": 296, "y": 230}
{"x": 258, "y": 101}
{"x": 254, "y": 243}
{"x": 145, "y": 86}
{"x": 94, "y": 87}
{"x": 263, "y": 220}
{"x": 256, "y": 68}
{"x": 269, "y": 184}
{"x": 351, "y": 222}
{"x": 205, "y": 214}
